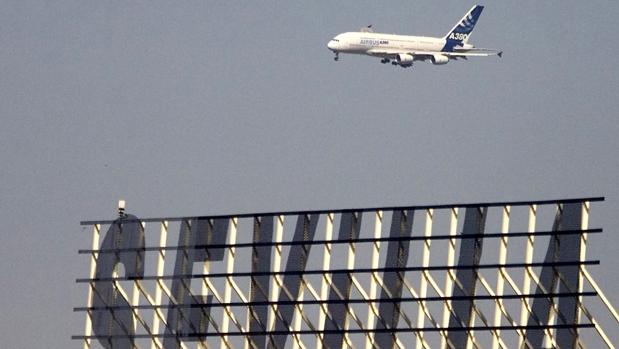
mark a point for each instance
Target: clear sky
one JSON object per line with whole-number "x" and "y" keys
{"x": 205, "y": 107}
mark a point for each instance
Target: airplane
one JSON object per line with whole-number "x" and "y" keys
{"x": 403, "y": 50}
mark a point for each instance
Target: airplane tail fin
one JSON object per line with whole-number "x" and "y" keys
{"x": 459, "y": 34}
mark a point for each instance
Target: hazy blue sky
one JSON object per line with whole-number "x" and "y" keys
{"x": 204, "y": 107}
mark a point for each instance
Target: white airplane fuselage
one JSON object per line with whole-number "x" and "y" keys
{"x": 367, "y": 43}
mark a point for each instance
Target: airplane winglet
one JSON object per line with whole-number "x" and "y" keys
{"x": 500, "y": 54}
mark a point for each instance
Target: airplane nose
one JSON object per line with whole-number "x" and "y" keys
{"x": 331, "y": 45}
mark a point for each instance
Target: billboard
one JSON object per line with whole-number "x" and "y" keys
{"x": 499, "y": 275}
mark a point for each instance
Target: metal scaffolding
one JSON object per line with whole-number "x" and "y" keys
{"x": 446, "y": 276}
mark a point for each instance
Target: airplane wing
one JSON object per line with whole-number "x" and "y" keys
{"x": 479, "y": 52}
{"x": 423, "y": 55}
{"x": 473, "y": 53}
{"x": 385, "y": 53}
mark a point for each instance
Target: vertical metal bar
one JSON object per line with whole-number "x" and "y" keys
{"x": 135, "y": 296}
{"x": 277, "y": 267}
{"x": 500, "y": 281}
{"x": 350, "y": 265}
{"x": 450, "y": 275}
{"x": 373, "y": 311}
{"x": 550, "y": 333}
{"x": 584, "y": 225}
{"x": 205, "y": 289}
{"x": 298, "y": 319}
{"x": 135, "y": 302}
{"x": 326, "y": 278}
{"x": 225, "y": 321}
{"x": 260, "y": 264}
{"x": 526, "y": 285}
{"x": 158, "y": 313}
{"x": 96, "y": 234}
{"x": 423, "y": 286}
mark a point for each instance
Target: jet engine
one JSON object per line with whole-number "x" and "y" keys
{"x": 404, "y": 59}
{"x": 439, "y": 59}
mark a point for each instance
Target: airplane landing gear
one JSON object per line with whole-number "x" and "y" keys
{"x": 337, "y": 57}
{"x": 384, "y": 60}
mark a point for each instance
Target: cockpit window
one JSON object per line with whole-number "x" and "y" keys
{"x": 336, "y": 40}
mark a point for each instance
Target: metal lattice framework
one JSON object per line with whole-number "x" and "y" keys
{"x": 393, "y": 277}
